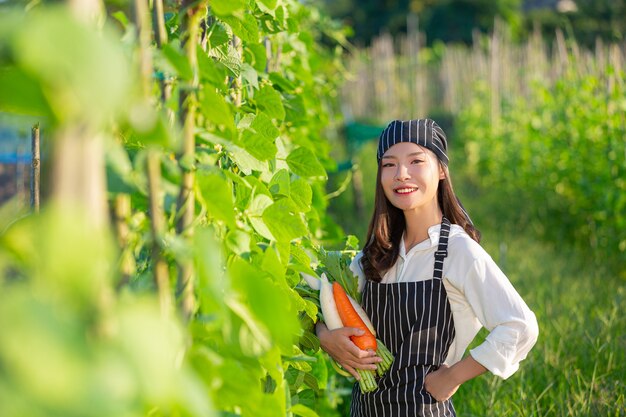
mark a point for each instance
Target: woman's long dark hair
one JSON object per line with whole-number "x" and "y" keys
{"x": 387, "y": 226}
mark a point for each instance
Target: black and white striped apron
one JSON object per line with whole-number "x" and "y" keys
{"x": 414, "y": 320}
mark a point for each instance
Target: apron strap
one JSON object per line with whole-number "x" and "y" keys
{"x": 442, "y": 249}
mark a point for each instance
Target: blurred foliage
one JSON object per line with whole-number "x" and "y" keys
{"x": 590, "y": 21}
{"x": 554, "y": 163}
{"x": 446, "y": 20}
{"x": 86, "y": 330}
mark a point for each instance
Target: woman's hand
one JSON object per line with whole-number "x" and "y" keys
{"x": 444, "y": 382}
{"x": 440, "y": 383}
{"x": 338, "y": 345}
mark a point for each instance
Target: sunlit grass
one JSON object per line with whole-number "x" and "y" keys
{"x": 577, "y": 366}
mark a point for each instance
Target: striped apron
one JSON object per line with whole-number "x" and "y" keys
{"x": 414, "y": 320}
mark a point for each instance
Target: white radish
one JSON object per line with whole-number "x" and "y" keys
{"x": 312, "y": 282}
{"x": 362, "y": 314}
{"x": 329, "y": 308}
{"x": 327, "y": 302}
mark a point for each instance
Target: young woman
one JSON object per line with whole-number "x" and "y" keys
{"x": 428, "y": 286}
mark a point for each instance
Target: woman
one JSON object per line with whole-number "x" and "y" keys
{"x": 428, "y": 286}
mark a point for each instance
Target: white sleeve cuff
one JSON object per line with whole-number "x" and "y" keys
{"x": 506, "y": 346}
{"x": 488, "y": 356}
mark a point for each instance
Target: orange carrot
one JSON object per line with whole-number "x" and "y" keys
{"x": 351, "y": 318}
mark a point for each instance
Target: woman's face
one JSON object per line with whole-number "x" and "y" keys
{"x": 410, "y": 176}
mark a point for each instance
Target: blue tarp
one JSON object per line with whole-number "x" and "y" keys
{"x": 14, "y": 158}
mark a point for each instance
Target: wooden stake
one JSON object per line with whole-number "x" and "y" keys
{"x": 186, "y": 200}
{"x": 157, "y": 223}
{"x": 35, "y": 169}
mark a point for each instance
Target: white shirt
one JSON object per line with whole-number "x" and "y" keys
{"x": 479, "y": 294}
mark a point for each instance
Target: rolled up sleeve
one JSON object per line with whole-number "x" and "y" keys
{"x": 501, "y": 310}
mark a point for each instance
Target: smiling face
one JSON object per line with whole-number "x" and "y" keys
{"x": 410, "y": 176}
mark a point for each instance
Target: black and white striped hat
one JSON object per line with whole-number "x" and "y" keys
{"x": 423, "y": 132}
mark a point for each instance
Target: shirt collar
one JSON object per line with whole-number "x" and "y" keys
{"x": 433, "y": 240}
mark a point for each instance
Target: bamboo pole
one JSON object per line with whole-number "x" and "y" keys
{"x": 122, "y": 213}
{"x": 35, "y": 172}
{"x": 379, "y": 87}
{"x": 158, "y": 22}
{"x": 78, "y": 177}
{"x": 186, "y": 200}
{"x": 157, "y": 224}
{"x": 161, "y": 38}
{"x": 141, "y": 16}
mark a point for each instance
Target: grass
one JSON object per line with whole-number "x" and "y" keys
{"x": 577, "y": 367}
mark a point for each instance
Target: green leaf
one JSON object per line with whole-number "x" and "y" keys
{"x": 283, "y": 84}
{"x": 299, "y": 255}
{"x": 269, "y": 4}
{"x": 304, "y": 163}
{"x": 218, "y": 195}
{"x": 83, "y": 71}
{"x": 270, "y": 101}
{"x": 255, "y": 215}
{"x": 272, "y": 265}
{"x": 246, "y": 162}
{"x": 229, "y": 57}
{"x": 296, "y": 110}
{"x": 280, "y": 185}
{"x": 257, "y": 56}
{"x": 245, "y": 27}
{"x": 249, "y": 75}
{"x": 238, "y": 241}
{"x": 258, "y": 139}
{"x": 119, "y": 169}
{"x": 216, "y": 109}
{"x": 226, "y": 7}
{"x": 302, "y": 410}
{"x": 301, "y": 194}
{"x": 268, "y": 301}
{"x": 211, "y": 71}
{"x": 151, "y": 127}
{"x": 177, "y": 60}
{"x": 283, "y": 220}
{"x": 218, "y": 35}
{"x": 20, "y": 93}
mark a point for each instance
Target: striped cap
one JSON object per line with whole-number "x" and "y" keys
{"x": 423, "y": 132}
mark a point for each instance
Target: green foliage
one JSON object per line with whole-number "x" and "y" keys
{"x": 84, "y": 332}
{"x": 556, "y": 160}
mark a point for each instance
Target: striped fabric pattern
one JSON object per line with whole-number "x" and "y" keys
{"x": 423, "y": 132}
{"x": 414, "y": 320}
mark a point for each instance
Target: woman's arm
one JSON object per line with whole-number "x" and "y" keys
{"x": 338, "y": 345}
{"x": 444, "y": 382}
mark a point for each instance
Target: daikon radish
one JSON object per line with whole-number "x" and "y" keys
{"x": 329, "y": 308}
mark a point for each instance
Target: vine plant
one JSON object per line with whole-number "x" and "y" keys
{"x": 214, "y": 117}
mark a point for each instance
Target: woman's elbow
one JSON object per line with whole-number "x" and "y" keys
{"x": 531, "y": 332}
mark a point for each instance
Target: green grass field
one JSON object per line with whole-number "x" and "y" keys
{"x": 577, "y": 366}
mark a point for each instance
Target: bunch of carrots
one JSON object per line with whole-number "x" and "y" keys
{"x": 341, "y": 310}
